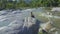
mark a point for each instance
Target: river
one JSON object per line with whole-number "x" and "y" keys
{"x": 12, "y": 21}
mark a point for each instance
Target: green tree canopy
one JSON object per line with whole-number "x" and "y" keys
{"x": 33, "y": 3}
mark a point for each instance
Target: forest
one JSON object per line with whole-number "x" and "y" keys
{"x": 4, "y": 4}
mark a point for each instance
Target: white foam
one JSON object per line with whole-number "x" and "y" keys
{"x": 56, "y": 9}
{"x": 2, "y": 27}
{"x": 45, "y": 15}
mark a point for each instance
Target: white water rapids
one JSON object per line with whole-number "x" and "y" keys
{"x": 18, "y": 22}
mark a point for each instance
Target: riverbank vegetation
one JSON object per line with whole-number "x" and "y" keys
{"x": 32, "y": 3}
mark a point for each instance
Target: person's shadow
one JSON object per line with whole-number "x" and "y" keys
{"x": 31, "y": 30}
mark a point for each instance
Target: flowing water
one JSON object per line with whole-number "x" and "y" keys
{"x": 12, "y": 22}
